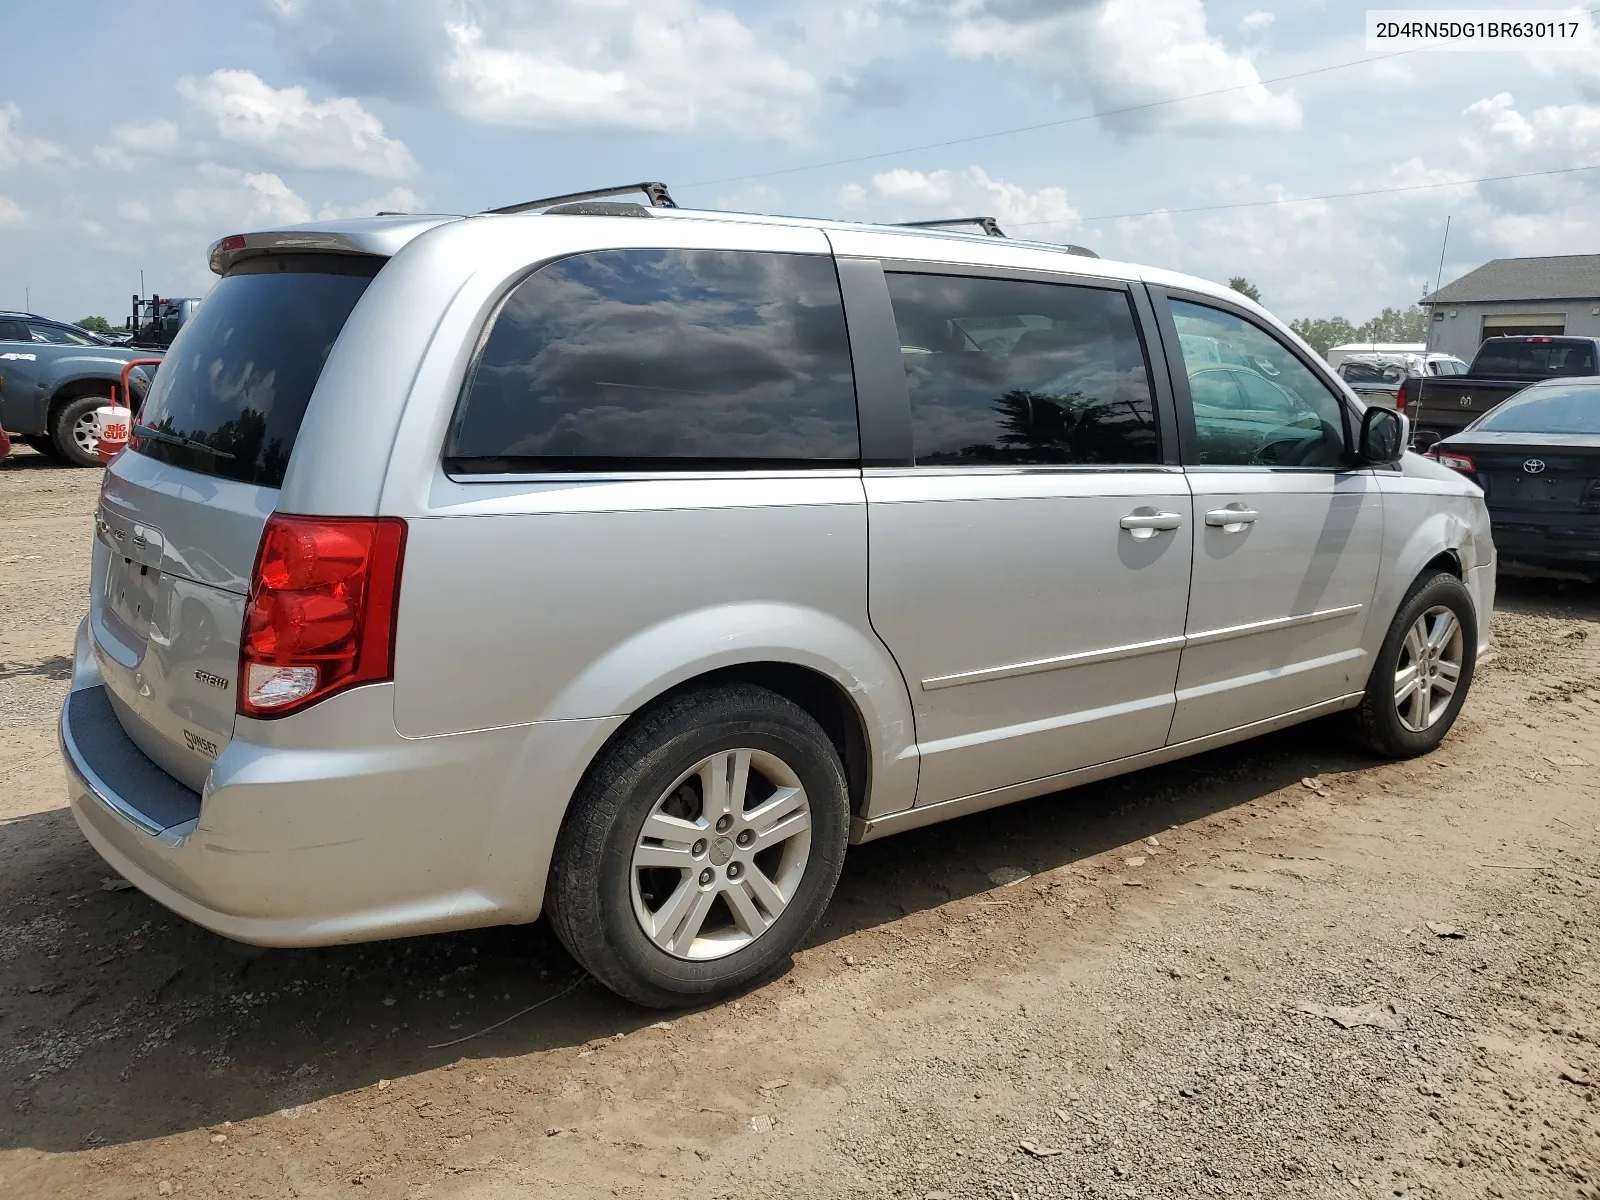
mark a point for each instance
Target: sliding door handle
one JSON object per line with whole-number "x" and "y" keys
{"x": 1233, "y": 519}
{"x": 1147, "y": 522}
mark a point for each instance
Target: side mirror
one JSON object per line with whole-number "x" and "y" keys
{"x": 1384, "y": 434}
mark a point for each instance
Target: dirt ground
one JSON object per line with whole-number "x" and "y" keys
{"x": 1148, "y": 1013}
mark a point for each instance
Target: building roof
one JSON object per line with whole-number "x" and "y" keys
{"x": 1560, "y": 277}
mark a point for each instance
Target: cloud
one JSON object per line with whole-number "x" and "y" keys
{"x": 903, "y": 195}
{"x": 671, "y": 66}
{"x": 17, "y": 149}
{"x": 135, "y": 140}
{"x": 875, "y": 85}
{"x": 1123, "y": 53}
{"x": 395, "y": 200}
{"x": 226, "y": 200}
{"x": 288, "y": 127}
{"x": 11, "y": 213}
{"x": 1257, "y": 22}
{"x": 1553, "y": 214}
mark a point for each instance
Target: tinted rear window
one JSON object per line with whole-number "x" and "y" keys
{"x": 676, "y": 359}
{"x": 1009, "y": 372}
{"x": 240, "y": 373}
{"x": 1563, "y": 409}
{"x": 1533, "y": 360}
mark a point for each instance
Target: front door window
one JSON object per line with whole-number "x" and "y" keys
{"x": 1255, "y": 403}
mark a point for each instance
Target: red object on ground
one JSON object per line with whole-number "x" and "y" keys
{"x": 113, "y": 439}
{"x": 127, "y": 369}
{"x": 5, "y": 444}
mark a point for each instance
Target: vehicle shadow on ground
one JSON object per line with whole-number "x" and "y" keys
{"x": 1572, "y": 599}
{"x": 124, "y": 1022}
{"x": 25, "y": 458}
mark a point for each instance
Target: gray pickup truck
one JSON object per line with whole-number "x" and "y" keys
{"x": 52, "y": 378}
{"x": 1442, "y": 405}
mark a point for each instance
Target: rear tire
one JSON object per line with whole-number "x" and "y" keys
{"x": 701, "y": 848}
{"x": 1423, "y": 671}
{"x": 72, "y": 430}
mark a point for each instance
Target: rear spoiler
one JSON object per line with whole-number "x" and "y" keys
{"x": 368, "y": 236}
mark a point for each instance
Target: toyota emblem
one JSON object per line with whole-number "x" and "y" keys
{"x": 1533, "y": 466}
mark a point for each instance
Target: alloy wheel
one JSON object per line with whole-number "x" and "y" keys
{"x": 1429, "y": 669}
{"x": 721, "y": 854}
{"x": 83, "y": 434}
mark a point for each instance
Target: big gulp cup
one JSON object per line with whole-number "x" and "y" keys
{"x": 111, "y": 426}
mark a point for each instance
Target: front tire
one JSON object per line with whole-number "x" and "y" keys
{"x": 72, "y": 431}
{"x": 701, "y": 848}
{"x": 1423, "y": 671}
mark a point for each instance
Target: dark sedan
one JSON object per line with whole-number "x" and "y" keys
{"x": 1537, "y": 459}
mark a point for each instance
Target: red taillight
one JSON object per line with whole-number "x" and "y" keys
{"x": 321, "y": 613}
{"x": 1456, "y": 462}
{"x": 1403, "y": 396}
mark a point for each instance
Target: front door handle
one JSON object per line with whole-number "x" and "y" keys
{"x": 1233, "y": 519}
{"x": 1147, "y": 522}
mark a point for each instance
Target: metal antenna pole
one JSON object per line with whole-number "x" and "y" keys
{"x": 1427, "y": 342}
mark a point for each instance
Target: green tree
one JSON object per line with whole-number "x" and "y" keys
{"x": 1323, "y": 333}
{"x": 1393, "y": 325}
{"x": 95, "y": 324}
{"x": 1245, "y": 288}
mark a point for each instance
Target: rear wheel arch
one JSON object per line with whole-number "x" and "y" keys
{"x": 73, "y": 389}
{"x": 822, "y": 698}
{"x": 1447, "y": 561}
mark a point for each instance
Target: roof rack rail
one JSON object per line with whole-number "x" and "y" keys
{"x": 988, "y": 224}
{"x": 656, "y": 193}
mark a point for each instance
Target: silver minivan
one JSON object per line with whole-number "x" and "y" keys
{"x": 624, "y": 564}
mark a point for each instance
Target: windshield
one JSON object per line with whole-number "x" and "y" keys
{"x": 1447, "y": 366}
{"x": 1553, "y": 410}
{"x": 1532, "y": 358}
{"x": 235, "y": 384}
{"x": 58, "y": 335}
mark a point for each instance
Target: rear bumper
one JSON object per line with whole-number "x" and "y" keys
{"x": 331, "y": 830}
{"x": 1565, "y": 544}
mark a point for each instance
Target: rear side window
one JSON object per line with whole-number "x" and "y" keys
{"x": 663, "y": 359}
{"x": 1012, "y": 373}
{"x": 232, "y": 390}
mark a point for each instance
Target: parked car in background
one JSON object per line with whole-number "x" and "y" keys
{"x": 625, "y": 564}
{"x": 1503, "y": 366}
{"x": 1537, "y": 459}
{"x": 1337, "y": 354}
{"x": 1376, "y": 377}
{"x": 52, "y": 377}
{"x": 156, "y": 320}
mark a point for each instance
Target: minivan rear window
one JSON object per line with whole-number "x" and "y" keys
{"x": 232, "y": 390}
{"x": 649, "y": 359}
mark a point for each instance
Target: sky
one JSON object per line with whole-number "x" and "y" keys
{"x": 132, "y": 136}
